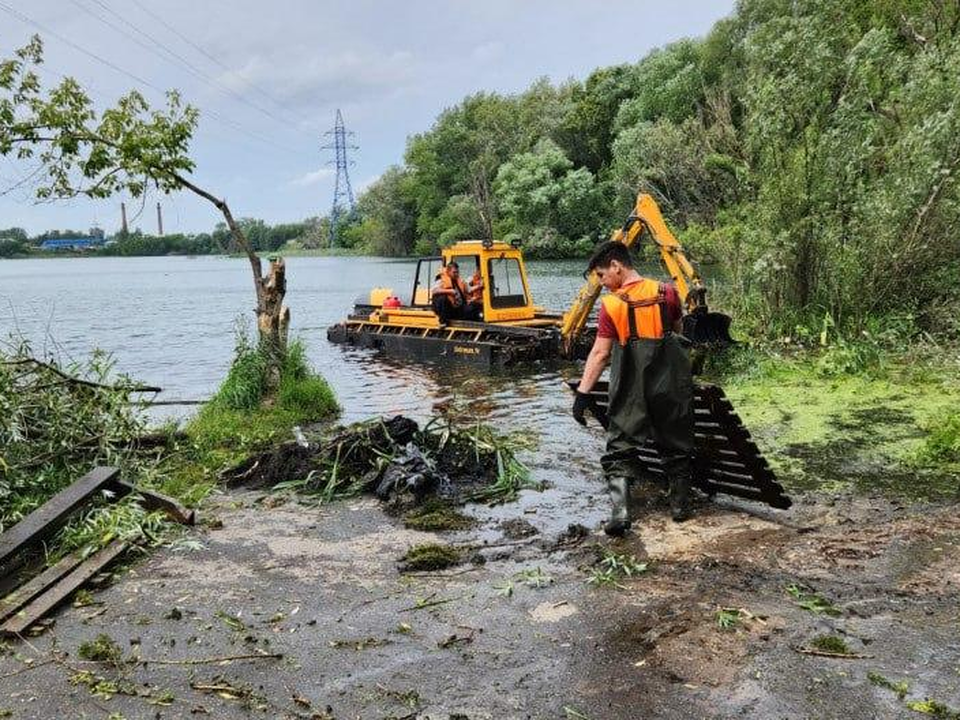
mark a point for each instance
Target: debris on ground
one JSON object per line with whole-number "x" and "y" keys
{"x": 429, "y": 556}
{"x": 517, "y": 528}
{"x": 103, "y": 649}
{"x": 435, "y": 515}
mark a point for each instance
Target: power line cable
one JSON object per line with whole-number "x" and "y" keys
{"x": 214, "y": 59}
{"x": 146, "y": 83}
{"x": 175, "y": 59}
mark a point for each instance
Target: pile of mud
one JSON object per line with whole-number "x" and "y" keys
{"x": 396, "y": 459}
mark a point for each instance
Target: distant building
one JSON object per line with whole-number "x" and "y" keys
{"x": 72, "y": 243}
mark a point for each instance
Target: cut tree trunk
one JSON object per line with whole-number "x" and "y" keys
{"x": 273, "y": 317}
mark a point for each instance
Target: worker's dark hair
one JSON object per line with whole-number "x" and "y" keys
{"x": 606, "y": 253}
{"x": 453, "y": 263}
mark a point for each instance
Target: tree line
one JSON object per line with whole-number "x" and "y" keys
{"x": 263, "y": 237}
{"x": 811, "y": 147}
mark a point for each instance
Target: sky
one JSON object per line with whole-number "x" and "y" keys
{"x": 268, "y": 78}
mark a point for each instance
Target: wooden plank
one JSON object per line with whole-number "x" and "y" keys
{"x": 33, "y": 587}
{"x": 153, "y": 500}
{"x": 59, "y": 592}
{"x": 48, "y": 517}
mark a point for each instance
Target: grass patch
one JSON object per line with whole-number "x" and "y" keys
{"x": 430, "y": 556}
{"x": 437, "y": 516}
{"x": 831, "y": 644}
{"x": 811, "y": 601}
{"x": 727, "y": 618}
{"x": 900, "y": 688}
{"x": 934, "y": 708}
{"x": 942, "y": 445}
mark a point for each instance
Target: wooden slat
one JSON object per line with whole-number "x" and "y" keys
{"x": 33, "y": 587}
{"x": 153, "y": 500}
{"x": 49, "y": 516}
{"x": 726, "y": 458}
{"x": 59, "y": 592}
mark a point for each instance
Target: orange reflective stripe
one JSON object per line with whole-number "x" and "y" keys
{"x": 636, "y": 310}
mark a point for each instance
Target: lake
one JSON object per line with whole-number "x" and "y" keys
{"x": 170, "y": 322}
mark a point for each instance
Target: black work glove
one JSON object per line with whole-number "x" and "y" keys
{"x": 581, "y": 402}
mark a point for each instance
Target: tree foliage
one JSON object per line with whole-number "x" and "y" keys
{"x": 810, "y": 146}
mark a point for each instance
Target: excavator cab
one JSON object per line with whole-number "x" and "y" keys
{"x": 506, "y": 294}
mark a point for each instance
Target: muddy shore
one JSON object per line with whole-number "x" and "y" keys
{"x": 358, "y": 639}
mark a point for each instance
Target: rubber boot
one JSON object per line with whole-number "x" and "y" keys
{"x": 680, "y": 497}
{"x": 619, "y": 522}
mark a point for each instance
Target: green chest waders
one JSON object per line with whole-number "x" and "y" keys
{"x": 651, "y": 400}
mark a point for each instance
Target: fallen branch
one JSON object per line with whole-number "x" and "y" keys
{"x": 27, "y": 668}
{"x": 824, "y": 653}
{"x": 212, "y": 660}
{"x": 430, "y": 604}
{"x": 78, "y": 381}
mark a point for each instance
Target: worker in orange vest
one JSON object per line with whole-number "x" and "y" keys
{"x": 449, "y": 294}
{"x": 474, "y": 306}
{"x": 651, "y": 384}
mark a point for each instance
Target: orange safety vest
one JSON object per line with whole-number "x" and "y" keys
{"x": 457, "y": 298}
{"x": 638, "y": 310}
{"x": 476, "y": 295}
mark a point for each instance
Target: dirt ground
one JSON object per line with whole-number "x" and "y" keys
{"x": 358, "y": 639}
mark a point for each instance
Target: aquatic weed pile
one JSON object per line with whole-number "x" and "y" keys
{"x": 402, "y": 463}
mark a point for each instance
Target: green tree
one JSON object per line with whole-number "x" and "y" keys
{"x": 127, "y": 148}
{"x": 543, "y": 200}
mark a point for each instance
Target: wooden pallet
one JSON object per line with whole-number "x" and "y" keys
{"x": 726, "y": 459}
{"x": 22, "y": 605}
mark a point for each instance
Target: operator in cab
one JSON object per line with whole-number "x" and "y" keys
{"x": 651, "y": 383}
{"x": 474, "y": 307}
{"x": 449, "y": 295}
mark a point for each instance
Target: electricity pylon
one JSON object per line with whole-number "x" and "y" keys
{"x": 342, "y": 189}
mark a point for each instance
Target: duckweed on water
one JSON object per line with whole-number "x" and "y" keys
{"x": 880, "y": 429}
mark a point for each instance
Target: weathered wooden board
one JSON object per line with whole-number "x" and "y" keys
{"x": 59, "y": 591}
{"x": 726, "y": 459}
{"x": 33, "y": 587}
{"x": 51, "y": 515}
{"x": 153, "y": 500}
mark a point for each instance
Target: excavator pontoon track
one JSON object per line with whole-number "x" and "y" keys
{"x": 468, "y": 342}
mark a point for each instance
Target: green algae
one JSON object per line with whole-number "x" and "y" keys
{"x": 866, "y": 432}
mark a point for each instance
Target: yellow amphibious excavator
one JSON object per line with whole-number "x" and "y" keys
{"x": 514, "y": 329}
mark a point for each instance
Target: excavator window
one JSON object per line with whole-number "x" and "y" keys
{"x": 468, "y": 265}
{"x": 506, "y": 283}
{"x": 427, "y": 269}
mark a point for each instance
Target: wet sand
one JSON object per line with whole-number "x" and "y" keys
{"x": 361, "y": 640}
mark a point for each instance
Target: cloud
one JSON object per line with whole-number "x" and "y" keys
{"x": 487, "y": 51}
{"x": 302, "y": 77}
{"x": 313, "y": 177}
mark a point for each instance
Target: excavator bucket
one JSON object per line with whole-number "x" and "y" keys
{"x": 726, "y": 460}
{"x": 708, "y": 328}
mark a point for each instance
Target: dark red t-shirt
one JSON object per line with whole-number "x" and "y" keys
{"x": 606, "y": 328}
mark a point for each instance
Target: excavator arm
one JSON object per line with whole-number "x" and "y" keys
{"x": 700, "y": 325}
